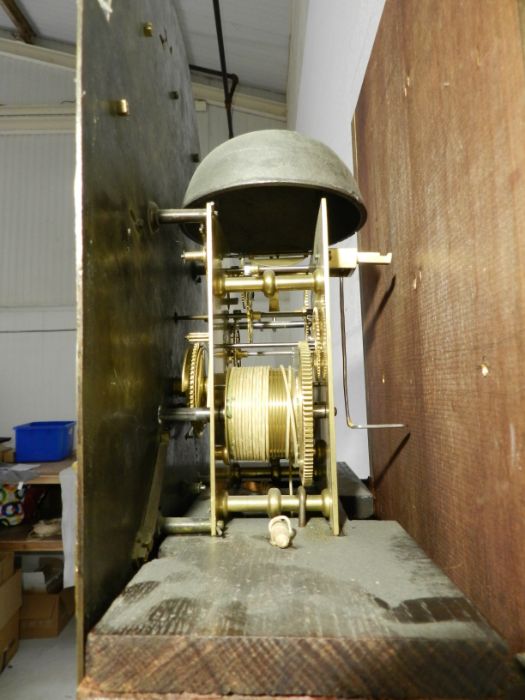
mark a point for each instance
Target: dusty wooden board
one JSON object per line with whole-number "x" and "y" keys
{"x": 441, "y": 159}
{"x": 364, "y": 614}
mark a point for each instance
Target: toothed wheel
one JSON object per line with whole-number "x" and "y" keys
{"x": 303, "y": 400}
{"x": 197, "y": 383}
{"x": 319, "y": 334}
{"x": 194, "y": 380}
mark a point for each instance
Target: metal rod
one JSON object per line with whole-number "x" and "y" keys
{"x": 185, "y": 526}
{"x": 321, "y": 410}
{"x": 349, "y": 422}
{"x": 261, "y": 325}
{"x": 181, "y": 216}
{"x": 262, "y": 353}
{"x": 300, "y": 280}
{"x": 194, "y": 256}
{"x": 282, "y": 269}
{"x": 222, "y": 56}
{"x": 286, "y": 256}
{"x": 250, "y": 471}
{"x": 256, "y": 345}
{"x": 233, "y": 77}
{"x": 275, "y": 502}
{"x": 185, "y": 414}
{"x": 249, "y": 270}
{"x": 239, "y": 315}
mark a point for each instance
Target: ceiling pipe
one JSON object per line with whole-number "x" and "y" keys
{"x": 224, "y": 72}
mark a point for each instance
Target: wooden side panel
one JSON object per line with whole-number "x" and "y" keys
{"x": 440, "y": 131}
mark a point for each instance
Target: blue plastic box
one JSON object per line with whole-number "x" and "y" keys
{"x": 44, "y": 441}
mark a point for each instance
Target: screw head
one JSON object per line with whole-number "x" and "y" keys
{"x": 122, "y": 107}
{"x": 147, "y": 28}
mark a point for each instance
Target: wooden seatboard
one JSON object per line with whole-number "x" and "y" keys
{"x": 87, "y": 691}
{"x": 441, "y": 167}
{"x": 365, "y": 614}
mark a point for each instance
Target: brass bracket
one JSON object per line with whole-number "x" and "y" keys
{"x": 146, "y": 534}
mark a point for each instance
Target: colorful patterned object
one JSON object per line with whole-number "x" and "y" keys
{"x": 11, "y": 504}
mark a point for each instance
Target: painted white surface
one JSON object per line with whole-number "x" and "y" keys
{"x": 37, "y": 366}
{"x": 54, "y": 19}
{"x": 330, "y": 47}
{"x": 213, "y": 127}
{"x": 256, "y": 37}
{"x": 23, "y": 81}
{"x": 36, "y": 235}
{"x": 37, "y": 269}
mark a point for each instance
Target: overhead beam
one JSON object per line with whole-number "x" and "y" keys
{"x": 242, "y": 102}
{"x": 37, "y": 119}
{"x": 52, "y": 53}
{"x": 20, "y": 20}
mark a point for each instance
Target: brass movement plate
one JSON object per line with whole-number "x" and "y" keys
{"x": 130, "y": 279}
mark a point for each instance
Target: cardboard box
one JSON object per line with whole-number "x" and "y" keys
{"x": 7, "y": 566}
{"x": 9, "y": 639}
{"x": 45, "y": 576}
{"x": 46, "y": 614}
{"x": 7, "y": 454}
{"x": 10, "y": 602}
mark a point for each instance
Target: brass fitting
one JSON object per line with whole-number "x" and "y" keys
{"x": 268, "y": 279}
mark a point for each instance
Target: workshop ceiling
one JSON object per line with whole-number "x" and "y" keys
{"x": 256, "y": 34}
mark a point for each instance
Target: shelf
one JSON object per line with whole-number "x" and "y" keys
{"x": 16, "y": 539}
{"x": 47, "y": 473}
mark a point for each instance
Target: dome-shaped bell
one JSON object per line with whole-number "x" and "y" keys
{"x": 267, "y": 187}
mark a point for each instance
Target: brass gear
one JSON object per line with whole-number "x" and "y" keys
{"x": 303, "y": 401}
{"x": 193, "y": 382}
{"x": 197, "y": 379}
{"x": 320, "y": 344}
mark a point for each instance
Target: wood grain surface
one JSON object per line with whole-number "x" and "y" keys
{"x": 440, "y": 130}
{"x": 366, "y": 614}
{"x": 88, "y": 691}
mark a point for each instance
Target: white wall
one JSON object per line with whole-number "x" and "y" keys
{"x": 37, "y": 273}
{"x": 37, "y": 365}
{"x": 330, "y": 48}
{"x": 213, "y": 127}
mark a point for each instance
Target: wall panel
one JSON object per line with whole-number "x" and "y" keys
{"x": 37, "y": 366}
{"x": 441, "y": 156}
{"x": 37, "y": 241}
{"x": 329, "y": 51}
{"x": 24, "y": 81}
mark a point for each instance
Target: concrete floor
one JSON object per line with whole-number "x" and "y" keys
{"x": 42, "y": 669}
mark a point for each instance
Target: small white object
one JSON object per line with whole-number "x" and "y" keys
{"x": 281, "y": 531}
{"x": 19, "y": 467}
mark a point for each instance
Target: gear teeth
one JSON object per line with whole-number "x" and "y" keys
{"x": 306, "y": 380}
{"x": 319, "y": 352}
{"x": 195, "y": 393}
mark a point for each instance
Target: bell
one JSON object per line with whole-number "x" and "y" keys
{"x": 267, "y": 187}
